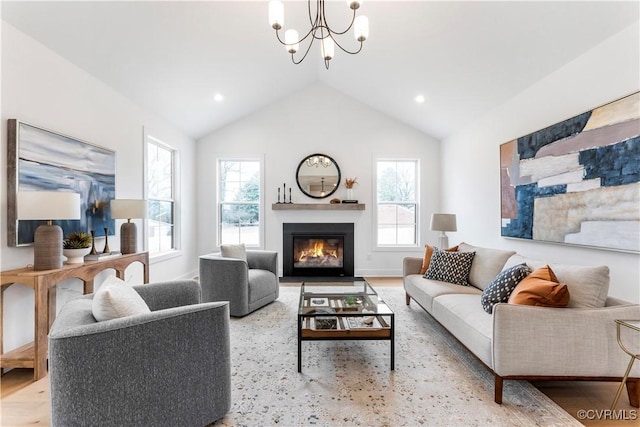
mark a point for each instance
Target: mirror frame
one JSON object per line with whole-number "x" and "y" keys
{"x": 298, "y": 174}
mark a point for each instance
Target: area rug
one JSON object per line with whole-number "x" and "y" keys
{"x": 436, "y": 381}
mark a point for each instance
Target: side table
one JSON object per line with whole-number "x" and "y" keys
{"x": 634, "y": 325}
{"x": 34, "y": 355}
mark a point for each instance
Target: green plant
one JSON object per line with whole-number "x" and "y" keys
{"x": 77, "y": 240}
{"x": 350, "y": 300}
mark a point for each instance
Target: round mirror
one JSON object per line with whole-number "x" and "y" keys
{"x": 318, "y": 176}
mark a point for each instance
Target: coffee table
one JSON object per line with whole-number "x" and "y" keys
{"x": 343, "y": 311}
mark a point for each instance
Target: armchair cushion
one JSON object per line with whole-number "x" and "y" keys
{"x": 115, "y": 298}
{"x": 234, "y": 251}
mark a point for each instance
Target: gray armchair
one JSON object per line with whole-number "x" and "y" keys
{"x": 246, "y": 285}
{"x": 165, "y": 368}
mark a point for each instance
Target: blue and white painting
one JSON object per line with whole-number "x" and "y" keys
{"x": 48, "y": 161}
{"x": 578, "y": 181}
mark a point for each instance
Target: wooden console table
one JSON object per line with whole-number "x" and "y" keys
{"x": 34, "y": 355}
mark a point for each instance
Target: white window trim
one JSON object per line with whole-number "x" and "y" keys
{"x": 395, "y": 248}
{"x": 176, "y": 251}
{"x": 245, "y": 157}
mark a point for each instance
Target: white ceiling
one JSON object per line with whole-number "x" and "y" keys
{"x": 464, "y": 57}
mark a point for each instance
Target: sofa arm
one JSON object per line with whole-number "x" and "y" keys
{"x": 411, "y": 265}
{"x": 263, "y": 260}
{"x": 115, "y": 364}
{"x": 222, "y": 278}
{"x": 543, "y": 341}
{"x": 175, "y": 293}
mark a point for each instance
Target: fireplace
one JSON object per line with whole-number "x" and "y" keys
{"x": 318, "y": 249}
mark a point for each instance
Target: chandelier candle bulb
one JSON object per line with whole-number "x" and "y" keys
{"x": 328, "y": 48}
{"x": 361, "y": 28}
{"x": 291, "y": 40}
{"x": 276, "y": 14}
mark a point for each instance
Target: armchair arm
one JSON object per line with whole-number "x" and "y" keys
{"x": 543, "y": 341}
{"x": 115, "y": 364}
{"x": 221, "y": 277}
{"x": 264, "y": 260}
{"x": 411, "y": 265}
{"x": 162, "y": 295}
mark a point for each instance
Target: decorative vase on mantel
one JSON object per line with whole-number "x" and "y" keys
{"x": 349, "y": 194}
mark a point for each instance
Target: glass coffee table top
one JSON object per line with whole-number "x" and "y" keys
{"x": 352, "y": 298}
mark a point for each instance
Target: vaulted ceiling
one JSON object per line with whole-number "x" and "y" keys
{"x": 465, "y": 58}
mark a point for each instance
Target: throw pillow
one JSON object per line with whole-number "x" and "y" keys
{"x": 115, "y": 299}
{"x": 428, "y": 252}
{"x": 541, "y": 288}
{"x": 234, "y": 251}
{"x": 500, "y": 288}
{"x": 452, "y": 267}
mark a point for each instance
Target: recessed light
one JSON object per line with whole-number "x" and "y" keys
{"x": 218, "y": 97}
{"x": 420, "y": 99}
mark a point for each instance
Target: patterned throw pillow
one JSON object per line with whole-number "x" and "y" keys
{"x": 428, "y": 252}
{"x": 500, "y": 288}
{"x": 452, "y": 267}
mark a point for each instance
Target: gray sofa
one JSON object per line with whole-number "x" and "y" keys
{"x": 168, "y": 367}
{"x": 527, "y": 342}
{"x": 247, "y": 285}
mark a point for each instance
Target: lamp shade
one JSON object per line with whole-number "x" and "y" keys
{"x": 48, "y": 205}
{"x": 443, "y": 222}
{"x": 128, "y": 208}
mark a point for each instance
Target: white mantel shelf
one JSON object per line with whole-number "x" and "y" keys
{"x": 318, "y": 206}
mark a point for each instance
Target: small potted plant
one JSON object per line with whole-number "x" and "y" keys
{"x": 76, "y": 246}
{"x": 349, "y": 183}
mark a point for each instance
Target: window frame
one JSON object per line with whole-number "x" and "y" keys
{"x": 416, "y": 203}
{"x": 260, "y": 203}
{"x": 175, "y": 199}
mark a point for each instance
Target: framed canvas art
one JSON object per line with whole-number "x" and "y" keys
{"x": 576, "y": 182}
{"x": 42, "y": 160}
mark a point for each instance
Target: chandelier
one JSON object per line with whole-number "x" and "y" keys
{"x": 319, "y": 30}
{"x": 319, "y": 161}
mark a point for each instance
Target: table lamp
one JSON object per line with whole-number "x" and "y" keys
{"x": 127, "y": 209}
{"x": 48, "y": 206}
{"x": 443, "y": 222}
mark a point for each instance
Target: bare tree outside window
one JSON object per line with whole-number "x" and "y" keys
{"x": 397, "y": 210}
{"x": 239, "y": 202}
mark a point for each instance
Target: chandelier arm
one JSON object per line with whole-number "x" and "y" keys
{"x": 346, "y": 50}
{"x": 339, "y": 33}
{"x": 291, "y": 44}
{"x": 305, "y": 54}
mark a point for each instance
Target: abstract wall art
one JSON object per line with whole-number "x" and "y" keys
{"x": 576, "y": 182}
{"x": 41, "y": 160}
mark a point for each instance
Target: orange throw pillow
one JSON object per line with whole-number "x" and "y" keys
{"x": 542, "y": 289}
{"x": 427, "y": 257}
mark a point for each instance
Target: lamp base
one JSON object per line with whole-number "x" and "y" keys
{"x": 443, "y": 241}
{"x": 47, "y": 251}
{"x": 128, "y": 238}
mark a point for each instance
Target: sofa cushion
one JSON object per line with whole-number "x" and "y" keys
{"x": 452, "y": 267}
{"x": 486, "y": 265}
{"x": 542, "y": 289}
{"x": 500, "y": 289}
{"x": 234, "y": 251}
{"x": 588, "y": 286}
{"x": 423, "y": 291}
{"x": 115, "y": 299}
{"x": 464, "y": 317}
{"x": 428, "y": 252}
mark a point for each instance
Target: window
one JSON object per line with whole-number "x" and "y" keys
{"x": 161, "y": 170}
{"x": 239, "y": 202}
{"x": 397, "y": 207}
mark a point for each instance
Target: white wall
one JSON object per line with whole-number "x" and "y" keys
{"x": 320, "y": 119}
{"x": 471, "y": 186}
{"x": 41, "y": 88}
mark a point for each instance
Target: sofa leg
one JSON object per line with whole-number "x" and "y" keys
{"x": 633, "y": 390}
{"x": 498, "y": 390}
{"x": 407, "y": 298}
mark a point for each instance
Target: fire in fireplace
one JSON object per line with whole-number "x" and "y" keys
{"x": 317, "y": 253}
{"x": 318, "y": 249}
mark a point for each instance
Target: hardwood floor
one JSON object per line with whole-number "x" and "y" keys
{"x": 25, "y": 402}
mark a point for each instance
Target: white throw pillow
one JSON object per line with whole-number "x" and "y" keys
{"x": 115, "y": 299}
{"x": 234, "y": 251}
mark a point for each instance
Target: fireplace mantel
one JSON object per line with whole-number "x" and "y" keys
{"x": 318, "y": 206}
